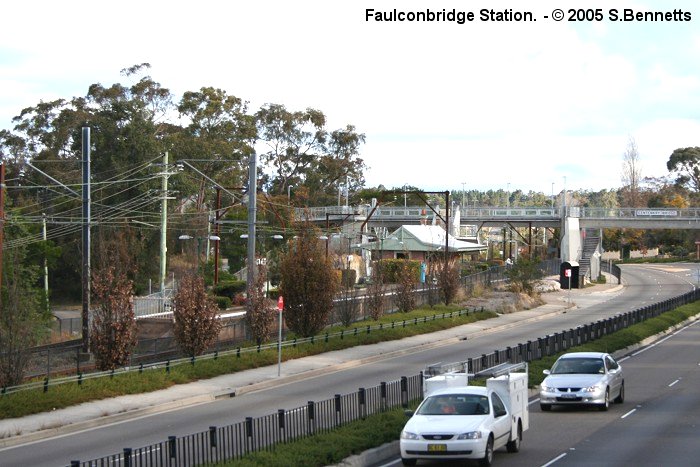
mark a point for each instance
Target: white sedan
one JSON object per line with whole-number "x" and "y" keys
{"x": 583, "y": 378}
{"x": 467, "y": 422}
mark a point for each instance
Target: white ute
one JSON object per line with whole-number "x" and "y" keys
{"x": 458, "y": 421}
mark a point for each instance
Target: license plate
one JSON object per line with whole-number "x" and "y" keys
{"x": 437, "y": 447}
{"x": 568, "y": 396}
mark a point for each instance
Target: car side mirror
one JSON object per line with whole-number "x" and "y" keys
{"x": 546, "y": 372}
{"x": 408, "y": 413}
{"x": 500, "y": 413}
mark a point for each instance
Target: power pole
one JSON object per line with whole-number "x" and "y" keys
{"x": 86, "y": 238}
{"x": 2, "y": 222}
{"x": 252, "y": 213}
{"x": 217, "y": 218}
{"x": 46, "y": 263}
{"x": 164, "y": 225}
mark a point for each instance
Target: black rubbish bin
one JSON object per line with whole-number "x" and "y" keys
{"x": 568, "y": 275}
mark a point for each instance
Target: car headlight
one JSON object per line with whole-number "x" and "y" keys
{"x": 594, "y": 388}
{"x": 547, "y": 388}
{"x": 408, "y": 435}
{"x": 470, "y": 435}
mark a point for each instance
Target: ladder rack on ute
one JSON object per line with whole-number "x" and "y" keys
{"x": 502, "y": 369}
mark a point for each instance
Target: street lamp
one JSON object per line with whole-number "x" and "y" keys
{"x": 325, "y": 238}
{"x": 289, "y": 193}
{"x": 552, "y": 199}
{"x": 267, "y": 280}
{"x": 215, "y": 238}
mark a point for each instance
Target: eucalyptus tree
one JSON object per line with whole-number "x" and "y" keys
{"x": 299, "y": 150}
{"x": 685, "y": 164}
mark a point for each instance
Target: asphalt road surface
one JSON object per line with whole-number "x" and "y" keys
{"x": 644, "y": 285}
{"x": 657, "y": 425}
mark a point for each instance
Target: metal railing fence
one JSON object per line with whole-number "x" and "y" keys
{"x": 264, "y": 433}
{"x": 67, "y": 358}
{"x": 216, "y": 353}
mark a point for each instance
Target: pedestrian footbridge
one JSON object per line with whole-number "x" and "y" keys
{"x": 637, "y": 218}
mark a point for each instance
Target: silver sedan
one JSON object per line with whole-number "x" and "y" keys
{"x": 588, "y": 378}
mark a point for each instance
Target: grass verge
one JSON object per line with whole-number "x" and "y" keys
{"x": 331, "y": 447}
{"x": 29, "y": 402}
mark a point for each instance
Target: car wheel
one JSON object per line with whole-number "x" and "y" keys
{"x": 488, "y": 453}
{"x": 621, "y": 397}
{"x": 606, "y": 405}
{"x": 514, "y": 446}
{"x": 409, "y": 461}
{"x": 545, "y": 407}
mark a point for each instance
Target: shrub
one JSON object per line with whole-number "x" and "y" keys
{"x": 113, "y": 327}
{"x": 391, "y": 268}
{"x": 229, "y": 288}
{"x": 260, "y": 310}
{"x": 308, "y": 283}
{"x": 239, "y": 299}
{"x": 223, "y": 302}
{"x": 195, "y": 313}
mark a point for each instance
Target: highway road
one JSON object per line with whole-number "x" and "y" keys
{"x": 656, "y": 425}
{"x": 644, "y": 285}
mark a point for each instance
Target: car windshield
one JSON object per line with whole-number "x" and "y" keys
{"x": 586, "y": 366}
{"x": 454, "y": 404}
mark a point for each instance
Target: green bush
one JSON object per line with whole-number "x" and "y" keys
{"x": 390, "y": 269}
{"x": 229, "y": 288}
{"x": 349, "y": 277}
{"x": 223, "y": 302}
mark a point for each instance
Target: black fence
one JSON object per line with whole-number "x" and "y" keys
{"x": 264, "y": 433}
{"x": 613, "y": 269}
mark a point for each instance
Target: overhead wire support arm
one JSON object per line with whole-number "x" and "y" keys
{"x": 54, "y": 180}
{"x": 216, "y": 184}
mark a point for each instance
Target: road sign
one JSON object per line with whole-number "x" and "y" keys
{"x": 280, "y": 303}
{"x": 567, "y": 272}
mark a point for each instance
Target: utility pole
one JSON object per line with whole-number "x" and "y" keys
{"x": 164, "y": 225}
{"x": 86, "y": 239}
{"x": 217, "y": 226}
{"x": 46, "y": 264}
{"x": 2, "y": 222}
{"x": 252, "y": 213}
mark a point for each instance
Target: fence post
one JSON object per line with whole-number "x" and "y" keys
{"x": 172, "y": 445}
{"x": 212, "y": 437}
{"x": 281, "y": 421}
{"x": 310, "y": 410}
{"x": 74, "y": 463}
{"x": 127, "y": 457}
{"x": 382, "y": 394}
{"x": 404, "y": 392}
{"x": 362, "y": 402}
{"x": 338, "y": 410}
{"x": 249, "y": 433}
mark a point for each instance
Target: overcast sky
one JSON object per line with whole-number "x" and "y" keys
{"x": 442, "y": 104}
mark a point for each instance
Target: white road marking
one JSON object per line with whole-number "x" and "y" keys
{"x": 673, "y": 383}
{"x": 554, "y": 460}
{"x": 629, "y": 413}
{"x": 395, "y": 462}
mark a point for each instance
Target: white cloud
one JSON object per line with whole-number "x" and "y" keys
{"x": 441, "y": 104}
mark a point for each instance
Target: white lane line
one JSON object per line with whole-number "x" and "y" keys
{"x": 627, "y": 358}
{"x": 394, "y": 462}
{"x": 629, "y": 413}
{"x": 533, "y": 401}
{"x": 673, "y": 383}
{"x": 554, "y": 460}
